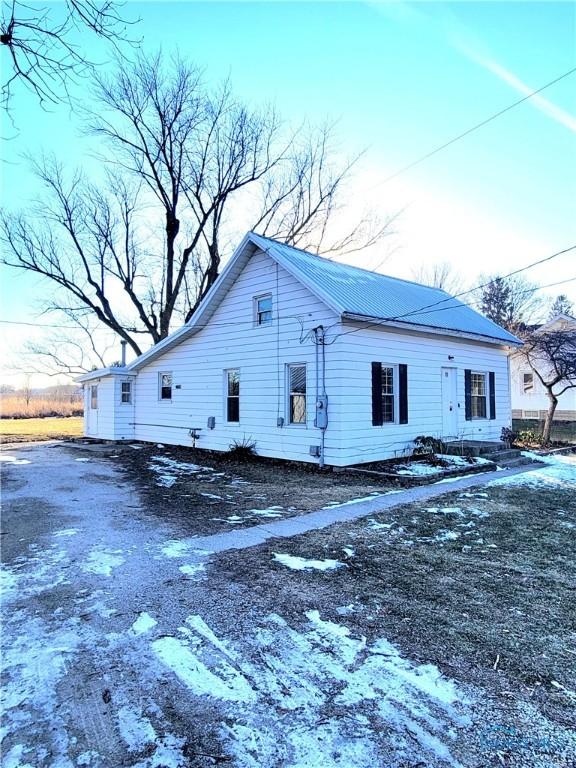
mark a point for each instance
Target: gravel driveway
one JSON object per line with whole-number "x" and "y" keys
{"x": 125, "y": 646}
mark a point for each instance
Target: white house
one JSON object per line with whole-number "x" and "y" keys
{"x": 314, "y": 361}
{"x": 529, "y": 399}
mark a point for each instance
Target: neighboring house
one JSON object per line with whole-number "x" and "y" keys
{"x": 315, "y": 361}
{"x": 529, "y": 400}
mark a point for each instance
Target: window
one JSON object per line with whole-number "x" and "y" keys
{"x": 389, "y": 394}
{"x": 297, "y": 394}
{"x": 263, "y": 310}
{"x": 233, "y": 396}
{"x": 165, "y": 386}
{"x": 528, "y": 382}
{"x": 94, "y": 397}
{"x": 126, "y": 392}
{"x": 478, "y": 392}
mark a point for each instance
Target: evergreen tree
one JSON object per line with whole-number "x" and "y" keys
{"x": 496, "y": 302}
{"x": 561, "y": 306}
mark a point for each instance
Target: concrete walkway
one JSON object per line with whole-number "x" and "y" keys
{"x": 241, "y": 538}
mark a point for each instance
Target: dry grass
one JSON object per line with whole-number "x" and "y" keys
{"x": 14, "y": 406}
{"x": 24, "y": 430}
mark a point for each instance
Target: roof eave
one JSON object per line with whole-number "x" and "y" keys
{"x": 101, "y": 373}
{"x": 513, "y": 342}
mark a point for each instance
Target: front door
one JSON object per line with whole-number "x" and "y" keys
{"x": 449, "y": 403}
{"x": 91, "y": 409}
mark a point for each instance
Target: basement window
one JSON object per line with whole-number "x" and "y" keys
{"x": 263, "y": 309}
{"x": 165, "y": 386}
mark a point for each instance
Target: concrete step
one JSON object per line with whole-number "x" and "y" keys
{"x": 500, "y": 456}
{"x": 518, "y": 462}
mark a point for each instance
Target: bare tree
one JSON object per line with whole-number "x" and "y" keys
{"x": 512, "y": 302}
{"x": 439, "y": 275}
{"x": 552, "y": 357}
{"x": 142, "y": 251}
{"x": 561, "y": 306}
{"x": 39, "y": 41}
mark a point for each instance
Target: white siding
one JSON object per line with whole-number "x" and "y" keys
{"x": 536, "y": 399}
{"x": 351, "y": 404}
{"x": 260, "y": 353}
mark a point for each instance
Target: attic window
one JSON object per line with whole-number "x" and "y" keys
{"x": 263, "y": 309}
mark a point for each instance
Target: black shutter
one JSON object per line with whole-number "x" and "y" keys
{"x": 468, "y": 394}
{"x": 491, "y": 379}
{"x": 403, "y": 402}
{"x": 377, "y": 419}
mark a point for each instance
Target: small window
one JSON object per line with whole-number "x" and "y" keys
{"x": 94, "y": 397}
{"x": 263, "y": 309}
{"x": 126, "y": 392}
{"x": 528, "y": 382}
{"x": 479, "y": 395}
{"x": 165, "y": 386}
{"x": 233, "y": 396}
{"x": 297, "y": 394}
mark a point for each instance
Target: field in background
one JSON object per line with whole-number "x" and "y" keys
{"x": 24, "y": 430}
{"x": 27, "y": 403}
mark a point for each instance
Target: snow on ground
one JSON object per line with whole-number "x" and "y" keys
{"x": 167, "y": 470}
{"x": 317, "y": 696}
{"x": 13, "y": 460}
{"x": 143, "y": 623}
{"x": 558, "y": 471}
{"x": 102, "y": 560}
{"x": 301, "y": 564}
{"x": 420, "y": 469}
{"x": 375, "y": 494}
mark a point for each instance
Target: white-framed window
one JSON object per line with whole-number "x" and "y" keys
{"x": 296, "y": 389}
{"x": 126, "y": 392}
{"x": 263, "y": 309}
{"x": 94, "y": 397}
{"x": 165, "y": 386}
{"x": 232, "y": 384}
{"x": 527, "y": 382}
{"x": 385, "y": 391}
{"x": 388, "y": 394}
{"x": 479, "y": 395}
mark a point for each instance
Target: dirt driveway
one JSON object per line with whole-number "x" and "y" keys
{"x": 422, "y": 637}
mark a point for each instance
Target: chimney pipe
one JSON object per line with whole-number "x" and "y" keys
{"x": 123, "y": 345}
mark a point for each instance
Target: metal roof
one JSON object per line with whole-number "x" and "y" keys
{"x": 359, "y": 292}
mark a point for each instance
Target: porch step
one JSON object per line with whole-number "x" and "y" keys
{"x": 501, "y": 456}
{"x": 518, "y": 462}
{"x": 475, "y": 447}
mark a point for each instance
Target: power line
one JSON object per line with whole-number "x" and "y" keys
{"x": 429, "y": 307}
{"x": 474, "y": 128}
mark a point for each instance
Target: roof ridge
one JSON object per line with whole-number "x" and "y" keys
{"x": 353, "y": 266}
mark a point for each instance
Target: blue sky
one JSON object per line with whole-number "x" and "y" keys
{"x": 400, "y": 79}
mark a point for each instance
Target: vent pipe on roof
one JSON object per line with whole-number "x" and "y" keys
{"x": 123, "y": 354}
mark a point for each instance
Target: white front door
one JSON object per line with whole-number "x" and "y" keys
{"x": 91, "y": 409}
{"x": 449, "y": 403}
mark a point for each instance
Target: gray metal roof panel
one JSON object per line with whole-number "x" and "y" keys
{"x": 357, "y": 291}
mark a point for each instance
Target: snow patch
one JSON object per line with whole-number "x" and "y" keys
{"x": 13, "y": 459}
{"x": 143, "y": 623}
{"x": 192, "y": 570}
{"x": 102, "y": 561}
{"x": 301, "y": 564}
{"x": 559, "y": 471}
{"x": 137, "y": 731}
